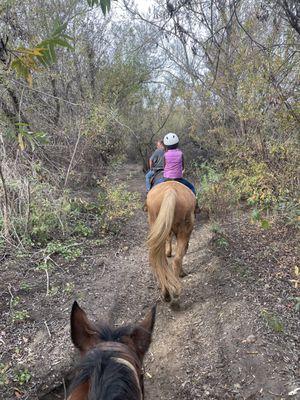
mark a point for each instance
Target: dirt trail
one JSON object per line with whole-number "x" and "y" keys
{"x": 201, "y": 351}
{"x": 214, "y": 348}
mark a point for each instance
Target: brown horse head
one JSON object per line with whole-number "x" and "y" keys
{"x": 111, "y": 366}
{"x": 171, "y": 208}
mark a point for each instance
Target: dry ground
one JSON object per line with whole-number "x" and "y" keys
{"x": 221, "y": 345}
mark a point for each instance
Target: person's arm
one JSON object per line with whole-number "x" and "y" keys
{"x": 153, "y": 159}
{"x": 182, "y": 164}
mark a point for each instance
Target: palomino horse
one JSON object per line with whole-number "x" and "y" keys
{"x": 171, "y": 207}
{"x": 111, "y": 366}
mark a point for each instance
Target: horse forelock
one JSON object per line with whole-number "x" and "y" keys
{"x": 109, "y": 379}
{"x": 107, "y": 334}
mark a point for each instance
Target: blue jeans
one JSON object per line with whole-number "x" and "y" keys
{"x": 157, "y": 181}
{"x": 188, "y": 184}
{"x": 148, "y": 176}
{"x": 183, "y": 181}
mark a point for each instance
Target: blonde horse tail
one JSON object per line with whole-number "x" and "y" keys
{"x": 160, "y": 230}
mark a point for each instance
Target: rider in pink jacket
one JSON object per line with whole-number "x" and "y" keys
{"x": 174, "y": 161}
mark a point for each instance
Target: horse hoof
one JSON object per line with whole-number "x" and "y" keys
{"x": 175, "y": 305}
{"x": 168, "y": 254}
{"x": 197, "y": 209}
{"x": 183, "y": 274}
{"x": 167, "y": 297}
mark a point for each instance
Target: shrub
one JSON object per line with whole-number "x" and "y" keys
{"x": 116, "y": 204}
{"x": 70, "y": 251}
{"x": 215, "y": 194}
{"x": 48, "y": 213}
{"x": 264, "y": 180}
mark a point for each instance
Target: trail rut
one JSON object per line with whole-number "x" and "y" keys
{"x": 215, "y": 347}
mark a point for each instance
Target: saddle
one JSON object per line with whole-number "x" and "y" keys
{"x": 158, "y": 177}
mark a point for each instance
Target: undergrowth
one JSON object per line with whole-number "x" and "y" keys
{"x": 267, "y": 184}
{"x": 44, "y": 216}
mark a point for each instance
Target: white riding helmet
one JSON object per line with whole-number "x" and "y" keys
{"x": 170, "y": 139}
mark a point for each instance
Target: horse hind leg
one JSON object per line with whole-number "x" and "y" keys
{"x": 166, "y": 296}
{"x": 169, "y": 246}
{"x": 182, "y": 246}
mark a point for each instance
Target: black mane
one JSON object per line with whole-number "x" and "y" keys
{"x": 109, "y": 380}
{"x": 107, "y": 334}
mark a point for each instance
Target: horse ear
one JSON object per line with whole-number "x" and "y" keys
{"x": 142, "y": 333}
{"x": 83, "y": 332}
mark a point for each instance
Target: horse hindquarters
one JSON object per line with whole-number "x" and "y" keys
{"x": 159, "y": 232}
{"x": 183, "y": 238}
{"x": 169, "y": 245}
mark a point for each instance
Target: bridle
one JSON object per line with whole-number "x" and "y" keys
{"x": 125, "y": 356}
{"x": 130, "y": 366}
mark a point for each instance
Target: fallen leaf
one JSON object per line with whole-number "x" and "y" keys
{"x": 250, "y": 339}
{"x": 18, "y": 394}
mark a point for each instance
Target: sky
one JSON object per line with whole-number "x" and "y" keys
{"x": 143, "y": 5}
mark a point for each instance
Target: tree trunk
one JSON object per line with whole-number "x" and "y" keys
{"x": 5, "y": 206}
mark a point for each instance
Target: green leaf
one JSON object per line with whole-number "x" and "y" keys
{"x": 21, "y": 68}
{"x": 21, "y": 124}
{"x": 59, "y": 28}
{"x": 265, "y": 224}
{"x": 272, "y": 321}
{"x": 255, "y": 215}
{"x": 62, "y": 43}
{"x": 44, "y": 53}
{"x": 36, "y": 51}
{"x": 52, "y": 51}
{"x": 67, "y": 37}
{"x": 104, "y": 4}
{"x": 32, "y": 143}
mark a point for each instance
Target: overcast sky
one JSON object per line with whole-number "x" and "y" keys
{"x": 117, "y": 12}
{"x": 143, "y": 5}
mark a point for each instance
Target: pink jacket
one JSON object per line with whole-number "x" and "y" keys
{"x": 173, "y": 164}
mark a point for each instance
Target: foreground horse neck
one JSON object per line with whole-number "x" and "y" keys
{"x": 80, "y": 392}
